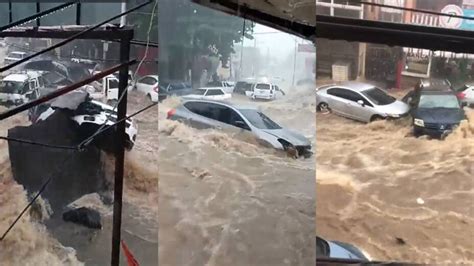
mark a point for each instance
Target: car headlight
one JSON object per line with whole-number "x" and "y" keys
{"x": 419, "y": 122}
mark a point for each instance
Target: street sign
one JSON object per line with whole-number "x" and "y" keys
{"x": 468, "y": 24}
{"x": 306, "y": 48}
{"x": 451, "y": 22}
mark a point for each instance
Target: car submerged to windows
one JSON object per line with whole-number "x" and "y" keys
{"x": 203, "y": 114}
{"x": 359, "y": 101}
{"x": 437, "y": 114}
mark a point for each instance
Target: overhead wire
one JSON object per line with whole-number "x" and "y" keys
{"x": 69, "y": 157}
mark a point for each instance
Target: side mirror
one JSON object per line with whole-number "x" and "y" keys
{"x": 360, "y": 102}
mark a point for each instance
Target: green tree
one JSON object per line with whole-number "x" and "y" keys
{"x": 187, "y": 30}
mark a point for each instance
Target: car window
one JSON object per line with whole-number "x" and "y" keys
{"x": 262, "y": 86}
{"x": 438, "y": 101}
{"x": 378, "y": 96}
{"x": 201, "y": 108}
{"x": 258, "y": 119}
{"x": 32, "y": 85}
{"x": 148, "y": 80}
{"x": 214, "y": 92}
{"x": 199, "y": 92}
{"x": 10, "y": 86}
{"x": 41, "y": 81}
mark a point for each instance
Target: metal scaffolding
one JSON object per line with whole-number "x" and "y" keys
{"x": 124, "y": 35}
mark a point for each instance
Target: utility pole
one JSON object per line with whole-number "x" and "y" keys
{"x": 123, "y": 19}
{"x": 294, "y": 62}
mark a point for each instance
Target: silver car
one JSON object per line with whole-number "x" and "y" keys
{"x": 359, "y": 101}
{"x": 244, "y": 119}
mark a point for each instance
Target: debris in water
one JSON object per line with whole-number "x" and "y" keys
{"x": 85, "y": 216}
{"x": 420, "y": 201}
{"x": 400, "y": 241}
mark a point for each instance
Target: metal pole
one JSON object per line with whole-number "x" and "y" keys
{"x": 294, "y": 63}
{"x": 123, "y": 19}
{"x": 63, "y": 91}
{"x": 120, "y": 152}
{"x": 38, "y": 9}
{"x": 10, "y": 12}
{"x": 78, "y": 13}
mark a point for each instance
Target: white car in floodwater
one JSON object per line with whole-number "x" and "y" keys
{"x": 216, "y": 94}
{"x": 265, "y": 91}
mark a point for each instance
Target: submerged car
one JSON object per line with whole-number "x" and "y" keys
{"x": 359, "y": 101}
{"x": 14, "y": 57}
{"x": 89, "y": 115}
{"x": 225, "y": 116}
{"x": 339, "y": 250}
{"x": 466, "y": 94}
{"x": 437, "y": 113}
{"x": 212, "y": 93}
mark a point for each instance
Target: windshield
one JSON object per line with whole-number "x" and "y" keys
{"x": 16, "y": 55}
{"x": 199, "y": 92}
{"x": 378, "y": 96}
{"x": 438, "y": 101}
{"x": 259, "y": 120}
{"x": 11, "y": 86}
{"x": 263, "y": 86}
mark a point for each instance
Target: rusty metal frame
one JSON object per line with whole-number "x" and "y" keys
{"x": 125, "y": 36}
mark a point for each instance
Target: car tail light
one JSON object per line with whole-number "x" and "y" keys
{"x": 461, "y": 95}
{"x": 171, "y": 113}
{"x": 156, "y": 89}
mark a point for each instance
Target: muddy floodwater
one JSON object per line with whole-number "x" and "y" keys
{"x": 51, "y": 241}
{"x": 393, "y": 195}
{"x": 225, "y": 200}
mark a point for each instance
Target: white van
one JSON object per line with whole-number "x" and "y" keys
{"x": 267, "y": 91}
{"x": 20, "y": 88}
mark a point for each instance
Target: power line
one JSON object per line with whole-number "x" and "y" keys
{"x": 79, "y": 147}
{"x": 24, "y": 141}
{"x": 70, "y": 39}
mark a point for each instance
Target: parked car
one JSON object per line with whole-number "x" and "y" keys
{"x": 339, "y": 250}
{"x": 20, "y": 88}
{"x": 267, "y": 91}
{"x": 14, "y": 56}
{"x": 466, "y": 94}
{"x": 436, "y": 112}
{"x": 241, "y": 87}
{"x": 89, "y": 116}
{"x": 226, "y": 86}
{"x": 225, "y": 116}
{"x": 148, "y": 85}
{"x": 359, "y": 101}
{"x": 217, "y": 94}
{"x": 174, "y": 88}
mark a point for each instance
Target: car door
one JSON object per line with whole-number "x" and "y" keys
{"x": 362, "y": 112}
{"x": 337, "y": 101}
{"x": 215, "y": 94}
{"x": 146, "y": 84}
{"x": 204, "y": 115}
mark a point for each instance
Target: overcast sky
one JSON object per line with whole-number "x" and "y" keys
{"x": 277, "y": 42}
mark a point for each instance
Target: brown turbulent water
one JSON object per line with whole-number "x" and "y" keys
{"x": 377, "y": 183}
{"x": 224, "y": 200}
{"x": 31, "y": 243}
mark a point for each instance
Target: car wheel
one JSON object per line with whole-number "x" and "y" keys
{"x": 324, "y": 108}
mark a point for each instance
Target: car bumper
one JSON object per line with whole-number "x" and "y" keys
{"x": 266, "y": 97}
{"x": 432, "y": 132}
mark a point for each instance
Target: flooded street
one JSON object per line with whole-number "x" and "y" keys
{"x": 395, "y": 196}
{"x": 55, "y": 242}
{"x": 225, "y": 200}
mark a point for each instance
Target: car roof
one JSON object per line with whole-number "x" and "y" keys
{"x": 21, "y": 77}
{"x": 354, "y": 85}
{"x": 236, "y": 106}
{"x": 17, "y": 52}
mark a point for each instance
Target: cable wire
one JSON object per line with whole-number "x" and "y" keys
{"x": 52, "y": 146}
